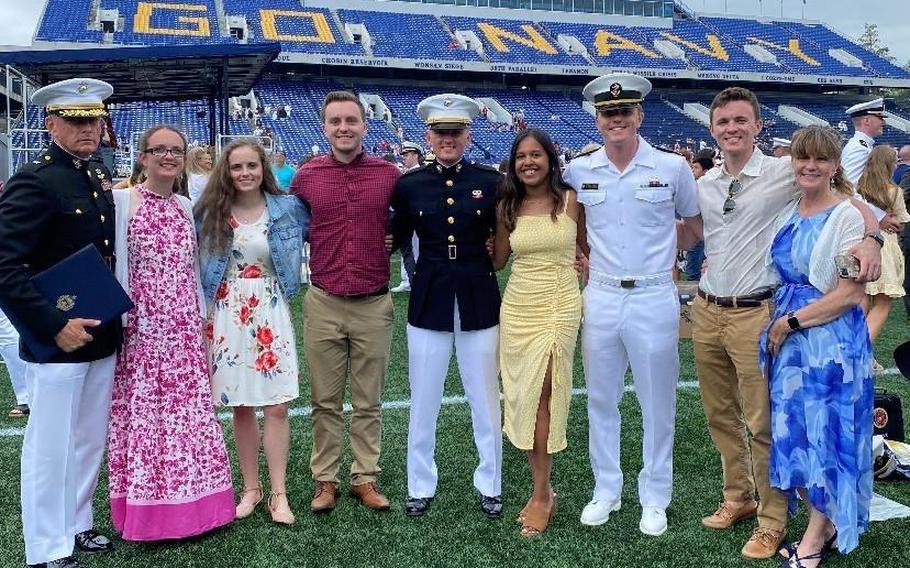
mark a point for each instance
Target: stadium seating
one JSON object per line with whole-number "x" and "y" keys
{"x": 615, "y": 46}
{"x": 308, "y": 30}
{"x": 413, "y": 36}
{"x": 58, "y": 23}
{"x": 511, "y": 41}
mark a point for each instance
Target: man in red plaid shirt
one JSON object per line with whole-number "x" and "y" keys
{"x": 347, "y": 312}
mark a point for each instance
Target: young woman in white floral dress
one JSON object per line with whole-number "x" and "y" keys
{"x": 251, "y": 237}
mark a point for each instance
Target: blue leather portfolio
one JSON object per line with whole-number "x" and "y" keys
{"x": 81, "y": 286}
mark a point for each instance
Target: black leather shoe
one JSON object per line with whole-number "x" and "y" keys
{"x": 93, "y": 542}
{"x": 68, "y": 562}
{"x": 417, "y": 506}
{"x": 491, "y": 506}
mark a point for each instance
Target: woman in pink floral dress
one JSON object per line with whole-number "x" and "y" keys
{"x": 170, "y": 475}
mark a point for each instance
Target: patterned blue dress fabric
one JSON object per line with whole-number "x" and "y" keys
{"x": 821, "y": 395}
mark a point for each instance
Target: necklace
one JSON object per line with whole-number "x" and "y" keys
{"x": 248, "y": 218}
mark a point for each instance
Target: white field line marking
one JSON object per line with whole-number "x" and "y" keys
{"x": 400, "y": 404}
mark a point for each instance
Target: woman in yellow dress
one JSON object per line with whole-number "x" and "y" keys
{"x": 877, "y": 187}
{"x": 537, "y": 220}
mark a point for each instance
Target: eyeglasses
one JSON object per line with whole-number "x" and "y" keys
{"x": 729, "y": 202}
{"x": 609, "y": 113}
{"x": 161, "y": 151}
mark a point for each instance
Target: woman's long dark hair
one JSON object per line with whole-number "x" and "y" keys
{"x": 215, "y": 202}
{"x": 512, "y": 191}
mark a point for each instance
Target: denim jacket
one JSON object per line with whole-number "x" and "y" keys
{"x": 288, "y": 225}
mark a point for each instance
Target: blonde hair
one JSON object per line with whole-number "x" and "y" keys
{"x": 876, "y": 185}
{"x": 816, "y": 141}
{"x": 193, "y": 157}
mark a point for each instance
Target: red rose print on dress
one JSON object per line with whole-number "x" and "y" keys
{"x": 251, "y": 271}
{"x": 209, "y": 331}
{"x": 266, "y": 361}
{"x": 264, "y": 336}
{"x": 253, "y": 301}
{"x": 244, "y": 314}
{"x": 222, "y": 291}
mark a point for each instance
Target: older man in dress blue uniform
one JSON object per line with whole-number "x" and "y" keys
{"x": 454, "y": 299}
{"x": 631, "y": 193}
{"x": 51, "y": 208}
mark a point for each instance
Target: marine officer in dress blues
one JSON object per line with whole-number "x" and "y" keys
{"x": 450, "y": 204}
{"x": 631, "y": 193}
{"x": 412, "y": 155}
{"x": 868, "y": 123}
{"x": 51, "y": 208}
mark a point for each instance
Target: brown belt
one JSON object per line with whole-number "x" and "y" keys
{"x": 381, "y": 292}
{"x": 748, "y": 301}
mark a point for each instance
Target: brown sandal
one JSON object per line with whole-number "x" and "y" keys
{"x": 280, "y": 517}
{"x": 19, "y": 411}
{"x": 242, "y": 511}
{"x": 538, "y": 519}
{"x": 520, "y": 518}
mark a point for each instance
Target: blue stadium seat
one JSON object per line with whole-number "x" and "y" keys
{"x": 413, "y": 36}
{"x": 511, "y": 41}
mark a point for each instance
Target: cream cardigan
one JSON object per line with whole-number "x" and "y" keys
{"x": 124, "y": 200}
{"x": 843, "y": 230}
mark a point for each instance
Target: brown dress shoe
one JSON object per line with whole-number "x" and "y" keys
{"x": 370, "y": 496}
{"x": 764, "y": 543}
{"x": 728, "y": 514}
{"x": 324, "y": 496}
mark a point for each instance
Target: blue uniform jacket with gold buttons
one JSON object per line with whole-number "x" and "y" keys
{"x": 53, "y": 206}
{"x": 452, "y": 210}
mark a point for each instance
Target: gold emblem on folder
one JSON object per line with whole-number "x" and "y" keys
{"x": 66, "y": 302}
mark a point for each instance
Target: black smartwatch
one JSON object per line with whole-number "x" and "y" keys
{"x": 877, "y": 237}
{"x": 793, "y": 322}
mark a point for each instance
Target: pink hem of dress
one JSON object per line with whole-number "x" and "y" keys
{"x": 168, "y": 521}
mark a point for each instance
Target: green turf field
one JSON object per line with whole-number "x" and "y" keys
{"x": 455, "y": 533}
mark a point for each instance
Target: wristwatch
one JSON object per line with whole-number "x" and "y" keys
{"x": 793, "y": 322}
{"x": 876, "y": 236}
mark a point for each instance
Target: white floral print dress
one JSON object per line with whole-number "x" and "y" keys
{"x": 254, "y": 355}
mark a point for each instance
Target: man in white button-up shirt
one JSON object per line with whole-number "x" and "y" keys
{"x": 740, "y": 201}
{"x": 631, "y": 193}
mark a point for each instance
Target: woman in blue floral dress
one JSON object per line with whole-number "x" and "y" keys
{"x": 817, "y": 355}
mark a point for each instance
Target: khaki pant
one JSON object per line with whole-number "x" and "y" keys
{"x": 341, "y": 333}
{"x": 736, "y": 398}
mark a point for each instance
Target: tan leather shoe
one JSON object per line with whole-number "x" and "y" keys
{"x": 324, "y": 496}
{"x": 764, "y": 543}
{"x": 370, "y": 496}
{"x": 730, "y": 513}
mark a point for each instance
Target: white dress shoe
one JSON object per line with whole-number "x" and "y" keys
{"x": 402, "y": 288}
{"x": 597, "y": 512}
{"x": 653, "y": 521}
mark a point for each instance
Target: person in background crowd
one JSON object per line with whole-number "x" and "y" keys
{"x": 903, "y": 164}
{"x": 15, "y": 366}
{"x": 412, "y": 154}
{"x": 537, "y": 219}
{"x": 108, "y": 145}
{"x": 869, "y": 123}
{"x": 876, "y": 187}
{"x": 454, "y": 300}
{"x": 905, "y": 245}
{"x": 780, "y": 147}
{"x": 137, "y": 176}
{"x": 739, "y": 201}
{"x": 165, "y": 447}
{"x": 282, "y": 170}
{"x": 347, "y": 311}
{"x": 198, "y": 170}
{"x": 817, "y": 356}
{"x": 631, "y": 193}
{"x": 51, "y": 208}
{"x": 251, "y": 243}
{"x": 701, "y": 162}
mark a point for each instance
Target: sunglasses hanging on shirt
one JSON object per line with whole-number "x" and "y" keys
{"x": 730, "y": 203}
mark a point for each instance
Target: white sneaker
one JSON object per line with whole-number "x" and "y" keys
{"x": 402, "y": 288}
{"x": 653, "y": 521}
{"x": 597, "y": 512}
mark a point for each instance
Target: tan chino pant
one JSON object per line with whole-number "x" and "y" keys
{"x": 737, "y": 402}
{"x": 342, "y": 333}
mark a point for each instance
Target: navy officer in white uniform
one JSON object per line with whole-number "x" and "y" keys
{"x": 631, "y": 193}
{"x": 450, "y": 204}
{"x": 54, "y": 206}
{"x": 868, "y": 123}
